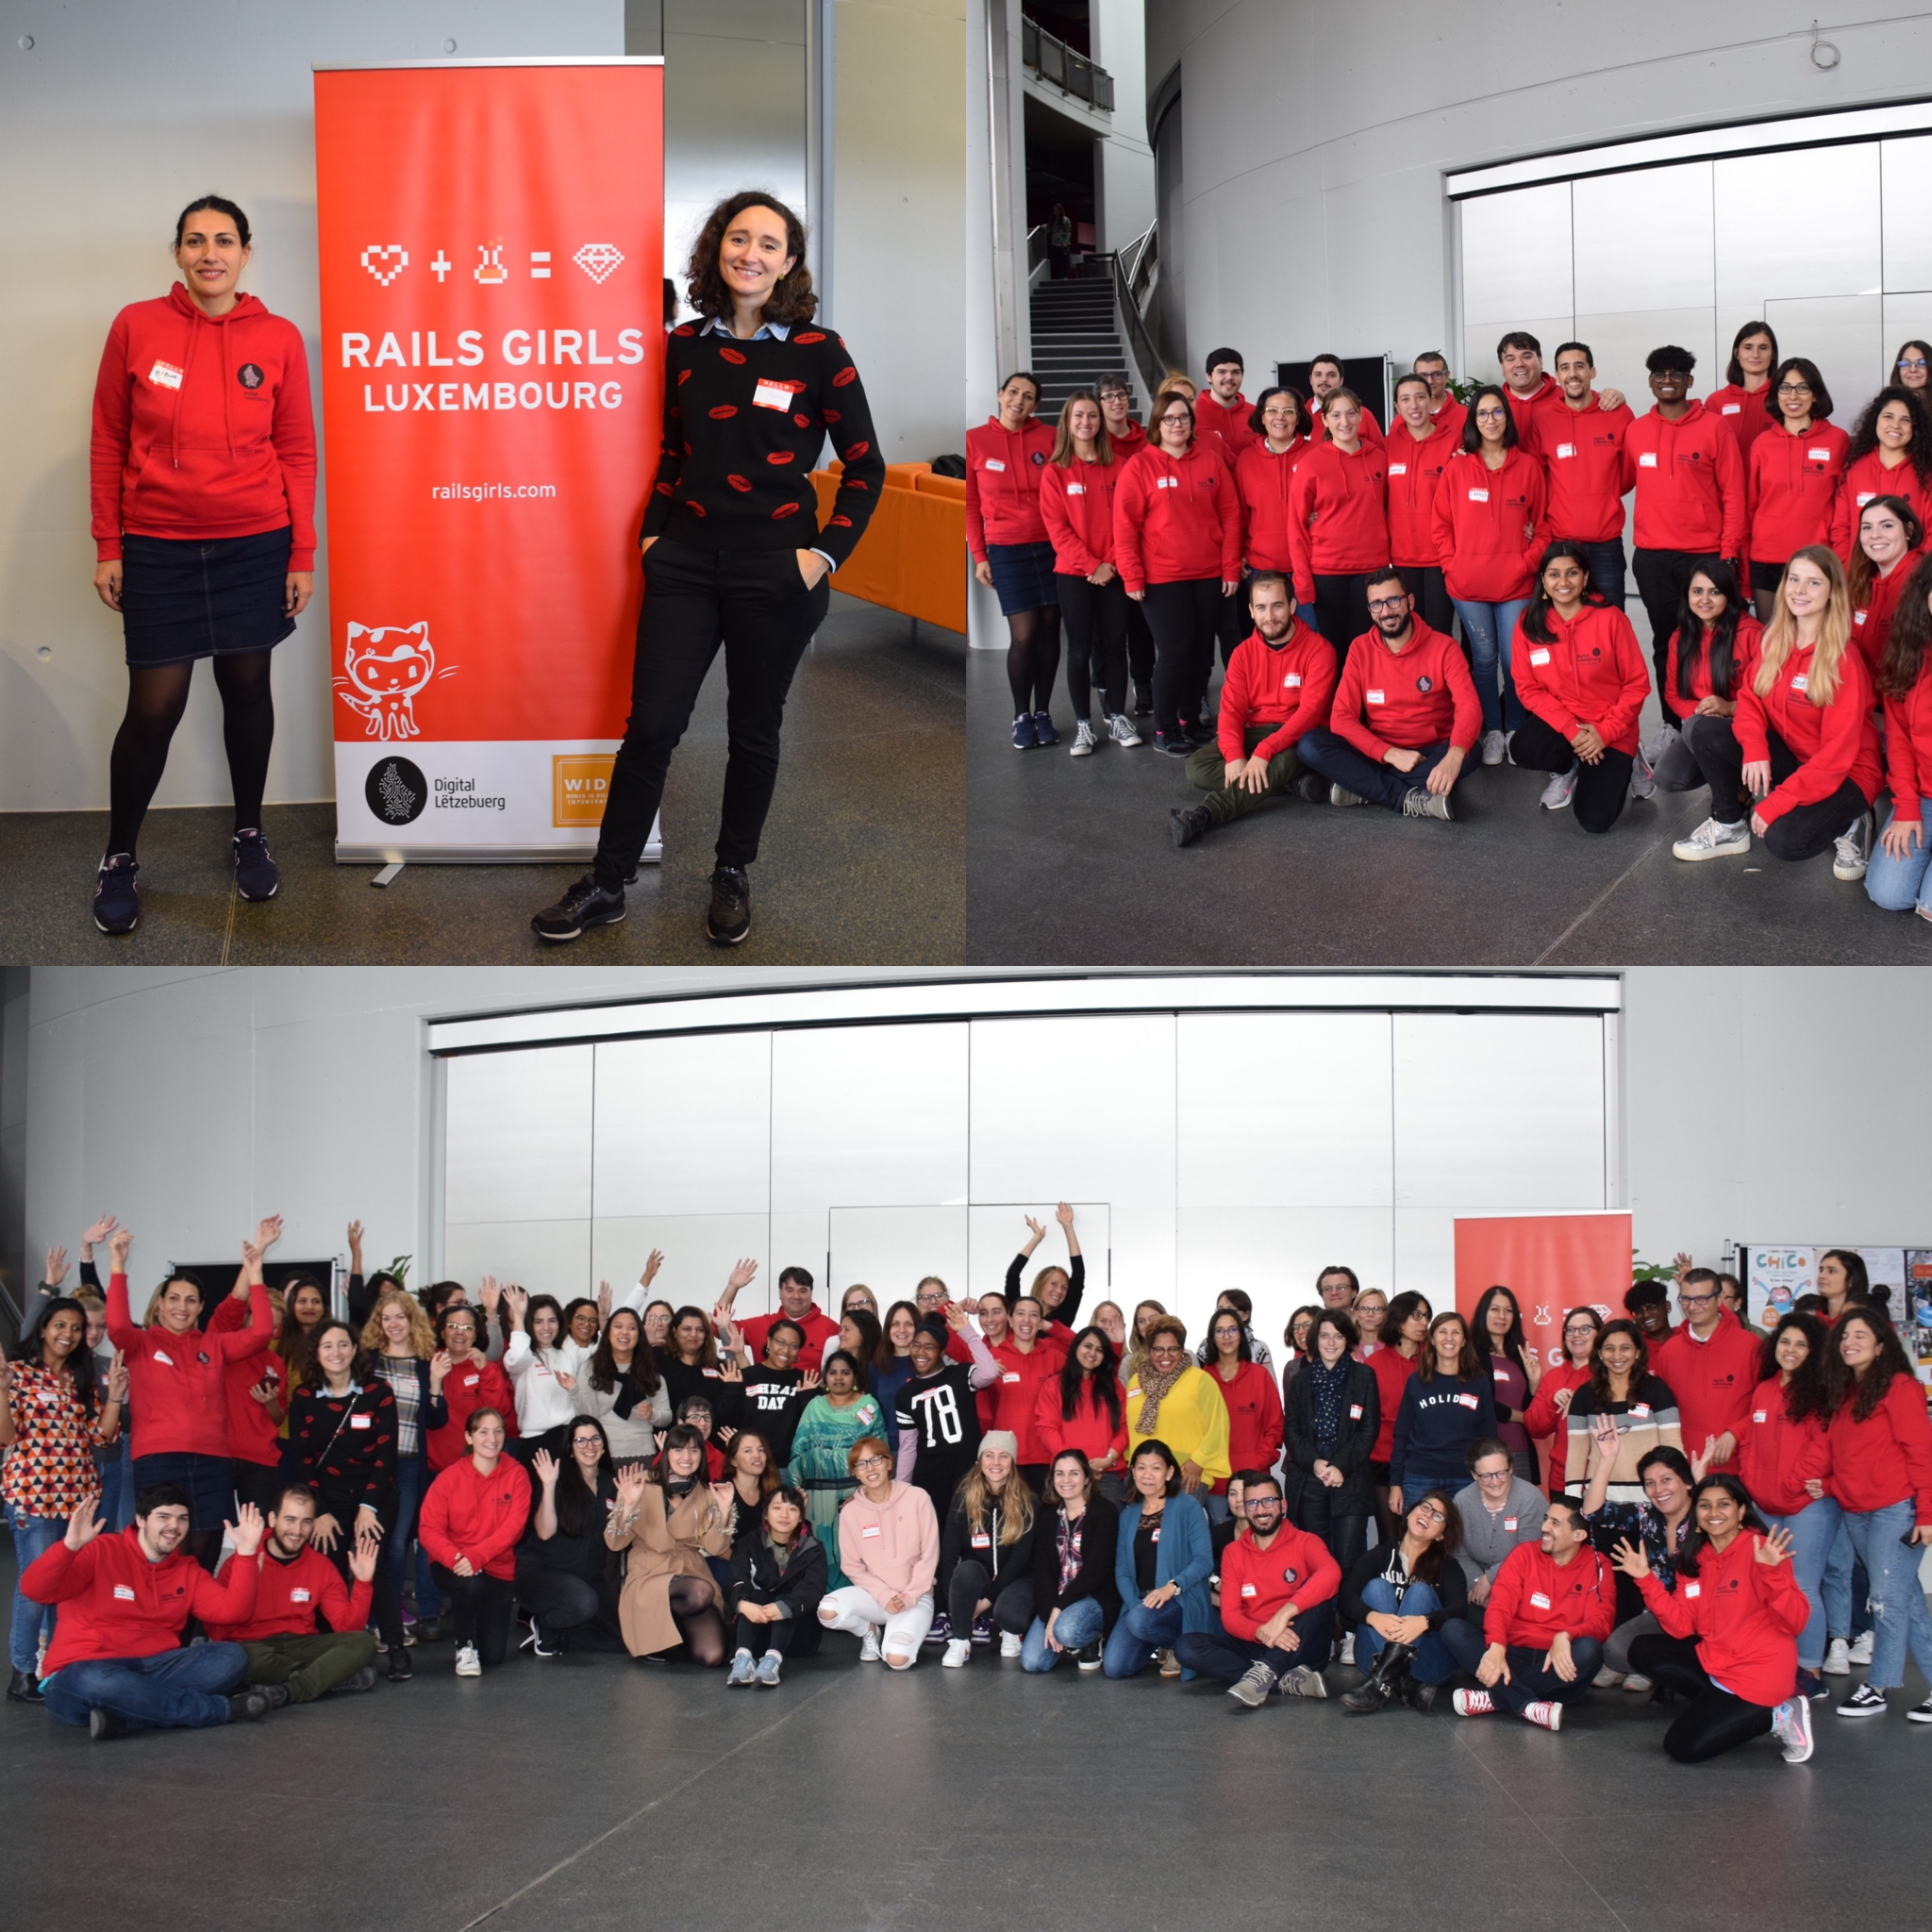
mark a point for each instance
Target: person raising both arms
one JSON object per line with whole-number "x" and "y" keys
{"x": 1891, "y": 455}
{"x": 1419, "y": 447}
{"x": 545, "y": 1363}
{"x": 751, "y": 392}
{"x": 1747, "y": 403}
{"x": 202, "y": 469}
{"x": 1338, "y": 521}
{"x": 669, "y": 1520}
{"x": 1790, "y": 478}
{"x": 1898, "y": 878}
{"x": 1580, "y": 441}
{"x": 1056, "y": 1289}
{"x": 796, "y": 1303}
{"x": 1712, "y": 655}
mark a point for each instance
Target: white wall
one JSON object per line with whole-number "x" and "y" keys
{"x": 1316, "y": 137}
{"x": 1124, "y": 163}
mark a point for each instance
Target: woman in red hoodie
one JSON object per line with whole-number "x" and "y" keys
{"x": 1077, "y": 505}
{"x": 1750, "y": 388}
{"x": 1263, "y": 474}
{"x": 203, "y": 465}
{"x": 1081, "y": 1408}
{"x": 1006, "y": 460}
{"x": 1583, "y": 681}
{"x": 1711, "y": 654}
{"x": 1491, "y": 524}
{"x": 1729, "y": 1630}
{"x": 1899, "y": 879}
{"x": 1254, "y": 1404}
{"x": 1419, "y": 447}
{"x": 1790, "y": 478}
{"x": 1892, "y": 540}
{"x": 1891, "y": 455}
{"x": 473, "y": 1515}
{"x": 1547, "y": 1416}
{"x": 1177, "y": 541}
{"x": 1337, "y": 522}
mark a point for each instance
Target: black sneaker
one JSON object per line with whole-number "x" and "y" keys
{"x": 585, "y": 905}
{"x": 1187, "y": 823}
{"x": 400, "y": 1668}
{"x": 729, "y": 919}
{"x": 1176, "y": 747}
{"x": 1312, "y": 787}
{"x": 25, "y": 1688}
{"x": 1202, "y": 732}
{"x": 1143, "y": 701}
{"x": 278, "y": 1695}
{"x": 101, "y": 1724}
{"x": 256, "y": 873}
{"x": 363, "y": 1679}
{"x": 117, "y": 904}
{"x": 1863, "y": 1702}
{"x": 246, "y": 1707}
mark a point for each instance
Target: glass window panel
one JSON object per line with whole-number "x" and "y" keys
{"x": 517, "y": 1136}
{"x": 998, "y": 1229}
{"x": 700, "y": 1251}
{"x": 545, "y": 1256}
{"x": 1622, "y": 341}
{"x": 684, "y": 1125}
{"x": 1515, "y": 262}
{"x": 1907, "y": 177}
{"x": 1844, "y": 336}
{"x": 1643, "y": 241}
{"x": 1804, "y": 222}
{"x": 891, "y": 1248}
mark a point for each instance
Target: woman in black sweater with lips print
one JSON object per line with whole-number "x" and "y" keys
{"x": 734, "y": 555}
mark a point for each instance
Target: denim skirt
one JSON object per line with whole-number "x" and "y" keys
{"x": 1022, "y": 577}
{"x": 186, "y": 597}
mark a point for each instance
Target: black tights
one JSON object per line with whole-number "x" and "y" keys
{"x": 693, "y": 1604}
{"x": 204, "y": 1546}
{"x": 157, "y": 696}
{"x": 1033, "y": 657}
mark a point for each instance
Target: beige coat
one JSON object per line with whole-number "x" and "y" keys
{"x": 661, "y": 1548}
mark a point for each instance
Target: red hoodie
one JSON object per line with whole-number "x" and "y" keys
{"x": 1872, "y": 624}
{"x": 1415, "y": 468}
{"x": 287, "y": 1594}
{"x": 1832, "y": 742}
{"x": 1745, "y": 644}
{"x": 1411, "y": 698}
{"x": 1791, "y": 488}
{"x": 1090, "y": 1429}
{"x": 1863, "y": 480}
{"x": 1745, "y": 1615}
{"x": 1290, "y": 686}
{"x": 1130, "y": 441}
{"x": 1450, "y": 416}
{"x": 1176, "y": 518}
{"x": 114, "y": 1602}
{"x": 1528, "y": 410}
{"x": 818, "y": 1326}
{"x": 1534, "y": 1597}
{"x": 1392, "y": 1368}
{"x": 203, "y": 427}
{"x": 1689, "y": 483}
{"x": 1713, "y": 1381}
{"x": 1543, "y": 1418}
{"x": 1909, "y": 746}
{"x": 466, "y": 1513}
{"x": 1230, "y": 423}
{"x": 1254, "y": 1428}
{"x": 1263, "y": 479}
{"x": 1591, "y": 672}
{"x": 1076, "y": 505}
{"x": 178, "y": 1383}
{"x": 1742, "y": 412}
{"x": 252, "y": 1436}
{"x": 1491, "y": 527}
{"x": 468, "y": 1387}
{"x": 1777, "y": 1457}
{"x": 1295, "y": 1569}
{"x": 1003, "y": 476}
{"x": 1582, "y": 454}
{"x": 1368, "y": 429}
{"x": 1338, "y": 520}
{"x": 1016, "y": 1394}
{"x": 1885, "y": 1460}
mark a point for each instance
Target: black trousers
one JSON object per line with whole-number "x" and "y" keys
{"x": 1661, "y": 578}
{"x": 790, "y": 1635}
{"x": 1803, "y": 832}
{"x": 1012, "y": 1601}
{"x": 1139, "y": 646}
{"x": 581, "y": 1614}
{"x": 1095, "y": 621}
{"x": 1346, "y": 1537}
{"x": 481, "y": 1609}
{"x": 387, "y": 1606}
{"x": 1182, "y": 617}
{"x": 258, "y": 1483}
{"x": 754, "y": 603}
{"x": 1232, "y": 622}
{"x": 1602, "y": 789}
{"x": 1717, "y": 1720}
{"x": 1342, "y": 610}
{"x": 1430, "y": 588}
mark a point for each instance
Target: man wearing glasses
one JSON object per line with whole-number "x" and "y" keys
{"x": 1711, "y": 1362}
{"x": 1277, "y": 1606}
{"x": 1405, "y": 714}
{"x": 1497, "y": 1511}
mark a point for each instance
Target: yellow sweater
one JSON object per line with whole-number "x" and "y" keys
{"x": 1193, "y": 1422}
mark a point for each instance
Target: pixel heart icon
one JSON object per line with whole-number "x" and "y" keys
{"x": 375, "y": 257}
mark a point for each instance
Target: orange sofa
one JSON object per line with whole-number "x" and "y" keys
{"x": 912, "y": 558}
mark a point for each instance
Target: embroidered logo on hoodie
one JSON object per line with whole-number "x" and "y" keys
{"x": 250, "y": 375}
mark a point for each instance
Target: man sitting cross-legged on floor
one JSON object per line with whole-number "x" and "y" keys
{"x": 1279, "y": 686}
{"x": 1405, "y": 714}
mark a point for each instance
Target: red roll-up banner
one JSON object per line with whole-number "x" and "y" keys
{"x": 491, "y": 240}
{"x": 1550, "y": 1263}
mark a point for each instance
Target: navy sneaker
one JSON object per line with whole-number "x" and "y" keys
{"x": 585, "y": 905}
{"x": 256, "y": 873}
{"x": 982, "y": 1630}
{"x": 117, "y": 904}
{"x": 1043, "y": 732}
{"x": 940, "y": 1630}
{"x": 1176, "y": 747}
{"x": 1202, "y": 732}
{"x": 1023, "y": 737}
{"x": 729, "y": 918}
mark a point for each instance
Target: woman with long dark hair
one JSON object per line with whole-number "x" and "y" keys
{"x": 1911, "y": 367}
{"x": 204, "y": 522}
{"x": 544, "y": 1363}
{"x": 1892, "y": 542}
{"x": 1253, "y": 1403}
{"x": 566, "y": 1575}
{"x": 1621, "y": 1386}
{"x": 1445, "y": 1406}
{"x": 751, "y": 1473}
{"x": 1075, "y": 1598}
{"x": 1549, "y": 1408}
{"x": 1790, "y": 478}
{"x": 750, "y": 391}
{"x": 1397, "y": 1598}
{"x": 623, "y": 1389}
{"x": 832, "y": 1420}
{"x": 1711, "y": 654}
{"x": 1514, "y": 1370}
{"x": 1404, "y": 1330}
{"x": 1897, "y": 878}
{"x": 1891, "y": 455}
{"x": 1747, "y": 403}
{"x": 690, "y": 1364}
{"x": 1082, "y": 1408}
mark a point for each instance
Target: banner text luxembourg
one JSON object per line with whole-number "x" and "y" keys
{"x": 546, "y": 348}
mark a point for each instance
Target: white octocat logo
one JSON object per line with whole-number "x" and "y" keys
{"x": 387, "y": 668}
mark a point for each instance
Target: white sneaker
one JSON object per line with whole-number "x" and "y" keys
{"x": 1851, "y": 848}
{"x": 1495, "y": 747}
{"x": 869, "y": 1647}
{"x": 1790, "y": 1724}
{"x": 1548, "y": 1717}
{"x": 1642, "y": 779}
{"x": 1339, "y": 795}
{"x": 1636, "y": 1681}
{"x": 958, "y": 1650}
{"x": 1557, "y": 791}
{"x": 1659, "y": 742}
{"x": 1862, "y": 1651}
{"x": 1713, "y": 841}
{"x": 1607, "y": 1679}
{"x": 1009, "y": 1643}
{"x": 1120, "y": 727}
{"x": 1838, "y": 1658}
{"x": 468, "y": 1663}
{"x": 1348, "y": 1648}
{"x": 1082, "y": 746}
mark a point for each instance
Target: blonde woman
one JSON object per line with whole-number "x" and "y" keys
{"x": 986, "y": 1552}
{"x": 1805, "y": 749}
{"x": 670, "y": 1521}
{"x": 1135, "y": 1355}
{"x": 402, "y": 1348}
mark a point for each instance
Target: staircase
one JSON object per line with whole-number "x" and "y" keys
{"x": 1076, "y": 335}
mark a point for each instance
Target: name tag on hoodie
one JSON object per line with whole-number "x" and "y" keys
{"x": 1374, "y": 697}
{"x": 982, "y": 1541}
{"x": 1818, "y": 456}
{"x": 1865, "y": 496}
{"x": 1249, "y": 1589}
{"x": 992, "y": 463}
{"x": 1011, "y": 1375}
{"x": 869, "y": 1529}
{"x": 1534, "y": 657}
{"x": 1539, "y": 1600}
{"x": 122, "y": 1594}
{"x": 1758, "y": 1415}
{"x": 1647, "y": 460}
{"x": 1167, "y": 482}
{"x": 298, "y": 1596}
{"x": 1694, "y": 1590}
{"x": 1478, "y": 496}
{"x": 1292, "y": 681}
{"x": 164, "y": 375}
{"x": 1859, "y": 617}
{"x": 161, "y": 1355}
{"x": 1799, "y": 682}
{"x": 1732, "y": 409}
{"x": 1566, "y": 449}
{"x": 1077, "y": 490}
{"x": 1398, "y": 468}
{"x": 470, "y": 1381}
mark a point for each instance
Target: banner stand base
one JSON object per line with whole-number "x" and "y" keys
{"x": 490, "y": 855}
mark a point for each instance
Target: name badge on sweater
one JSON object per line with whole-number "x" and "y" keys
{"x": 1478, "y": 496}
{"x": 1355, "y": 1411}
{"x": 1467, "y": 1401}
{"x": 1539, "y": 1600}
{"x": 1858, "y": 616}
{"x": 1292, "y": 681}
{"x": 470, "y": 1381}
{"x": 992, "y": 463}
{"x": 1640, "y": 1409}
{"x": 1799, "y": 682}
{"x": 1694, "y": 1590}
{"x": 1499, "y": 1373}
{"x": 870, "y": 1529}
{"x": 712, "y": 1372}
{"x": 1248, "y": 1589}
{"x": 1077, "y": 490}
{"x": 1011, "y": 1375}
{"x": 1510, "y": 1524}
{"x": 1398, "y": 468}
{"x": 1374, "y": 697}
{"x": 1647, "y": 460}
{"x": 1818, "y": 456}
{"x": 122, "y": 1594}
{"x": 1758, "y": 1415}
{"x": 161, "y": 1355}
{"x": 1534, "y": 657}
{"x": 361, "y": 1422}
{"x": 298, "y": 1596}
{"x": 1167, "y": 482}
{"x": 1566, "y": 449}
{"x": 773, "y": 395}
{"x": 1732, "y": 409}
{"x": 1154, "y": 1537}
{"x": 982, "y": 1541}
{"x": 164, "y": 375}
{"x": 1865, "y": 496}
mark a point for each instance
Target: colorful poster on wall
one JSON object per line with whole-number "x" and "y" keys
{"x": 492, "y": 252}
{"x": 1773, "y": 1280}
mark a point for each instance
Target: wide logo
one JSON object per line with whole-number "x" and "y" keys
{"x": 397, "y": 790}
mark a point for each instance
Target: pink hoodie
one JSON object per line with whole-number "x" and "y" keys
{"x": 890, "y": 1549}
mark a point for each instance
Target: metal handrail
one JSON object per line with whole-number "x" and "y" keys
{"x": 1072, "y": 73}
{"x": 1132, "y": 282}
{"x": 1037, "y": 245}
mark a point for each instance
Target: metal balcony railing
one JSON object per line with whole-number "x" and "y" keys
{"x": 1136, "y": 276}
{"x": 1073, "y": 73}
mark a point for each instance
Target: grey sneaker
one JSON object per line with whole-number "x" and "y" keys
{"x": 1303, "y": 1682}
{"x": 1120, "y": 727}
{"x": 1337, "y": 795}
{"x": 766, "y": 1675}
{"x": 1419, "y": 802}
{"x": 742, "y": 1669}
{"x": 1495, "y": 747}
{"x": 1556, "y": 793}
{"x": 1252, "y": 1690}
{"x": 1659, "y": 742}
{"x": 1642, "y": 779}
{"x": 1852, "y": 849}
{"x": 1713, "y": 841}
{"x": 1082, "y": 746}
{"x": 1188, "y": 822}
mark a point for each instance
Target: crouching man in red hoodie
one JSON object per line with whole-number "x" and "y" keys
{"x": 1277, "y": 1606}
{"x": 1279, "y": 683}
{"x": 281, "y": 1636}
{"x": 1551, "y": 1606}
{"x": 117, "y": 1663}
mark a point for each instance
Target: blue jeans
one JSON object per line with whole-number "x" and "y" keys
{"x": 412, "y": 1478}
{"x": 1491, "y": 629}
{"x": 174, "y": 1689}
{"x": 111, "y": 1469}
{"x": 32, "y": 1535}
{"x": 1080, "y": 1623}
{"x": 1900, "y": 885}
{"x": 1812, "y": 1531}
{"x": 1215, "y": 1506}
{"x": 1431, "y": 1662}
{"x": 123, "y": 1486}
{"x": 1899, "y": 1617}
{"x": 1606, "y": 568}
{"x": 1847, "y": 1589}
{"x": 1139, "y": 1634}
{"x": 1331, "y": 755}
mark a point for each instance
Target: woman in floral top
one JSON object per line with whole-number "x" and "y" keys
{"x": 51, "y": 1417}
{"x": 1658, "y": 1527}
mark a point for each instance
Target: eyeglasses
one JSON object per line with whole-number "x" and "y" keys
{"x": 1264, "y": 1506}
{"x": 872, "y": 1462}
{"x": 1800, "y": 388}
{"x": 1387, "y": 603}
{"x": 1670, "y": 374}
{"x": 1165, "y": 1349}
{"x": 1494, "y": 1476}
{"x": 1695, "y": 1301}
{"x": 1911, "y": 362}
{"x": 1429, "y": 1513}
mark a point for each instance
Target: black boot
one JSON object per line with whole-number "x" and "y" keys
{"x": 1378, "y": 1689}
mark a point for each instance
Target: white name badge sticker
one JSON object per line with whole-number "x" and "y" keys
{"x": 1398, "y": 468}
{"x": 870, "y": 1529}
{"x": 1534, "y": 657}
{"x": 1155, "y": 1537}
{"x": 1733, "y": 409}
{"x": 1248, "y": 1589}
{"x": 1292, "y": 681}
{"x": 1355, "y": 1411}
{"x": 164, "y": 375}
{"x": 162, "y": 1356}
{"x": 1865, "y": 496}
{"x": 1011, "y": 1375}
{"x": 1647, "y": 460}
{"x": 773, "y": 395}
{"x": 1566, "y": 449}
{"x": 1374, "y": 697}
{"x": 298, "y": 1596}
{"x": 1478, "y": 496}
{"x": 1499, "y": 1373}
{"x": 992, "y": 463}
{"x": 470, "y": 1381}
{"x": 1858, "y": 616}
{"x": 361, "y": 1422}
{"x": 123, "y": 1594}
{"x": 1539, "y": 1599}
{"x": 982, "y": 1541}
{"x": 1694, "y": 1590}
{"x": 1758, "y": 1415}
{"x": 1510, "y": 1524}
{"x": 1077, "y": 490}
{"x": 1640, "y": 1409}
{"x": 1467, "y": 1401}
{"x": 1799, "y": 682}
{"x": 1818, "y": 456}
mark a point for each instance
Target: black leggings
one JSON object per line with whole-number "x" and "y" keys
{"x": 571, "y": 1612}
{"x": 1342, "y": 610}
{"x": 1011, "y": 1603}
{"x": 1095, "y": 616}
{"x": 1804, "y": 831}
{"x": 480, "y": 1611}
{"x": 1602, "y": 789}
{"x": 157, "y": 697}
{"x": 693, "y": 1604}
{"x": 1033, "y": 657}
{"x": 1182, "y": 617}
{"x": 789, "y": 1636}
{"x": 1717, "y": 1720}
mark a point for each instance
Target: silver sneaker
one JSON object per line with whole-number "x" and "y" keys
{"x": 1120, "y": 727}
{"x": 1082, "y": 746}
{"x": 1254, "y": 1688}
{"x": 1713, "y": 841}
{"x": 1337, "y": 795}
{"x": 1642, "y": 778}
{"x": 1852, "y": 849}
{"x": 1495, "y": 747}
{"x": 742, "y": 1669}
{"x": 1659, "y": 742}
{"x": 1557, "y": 791}
{"x": 1419, "y": 802}
{"x": 1303, "y": 1682}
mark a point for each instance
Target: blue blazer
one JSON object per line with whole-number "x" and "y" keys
{"x": 1185, "y": 1554}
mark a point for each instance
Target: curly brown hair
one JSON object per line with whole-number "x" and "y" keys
{"x": 791, "y": 299}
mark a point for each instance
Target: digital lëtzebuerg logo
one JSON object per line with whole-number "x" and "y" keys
{"x": 396, "y": 790}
